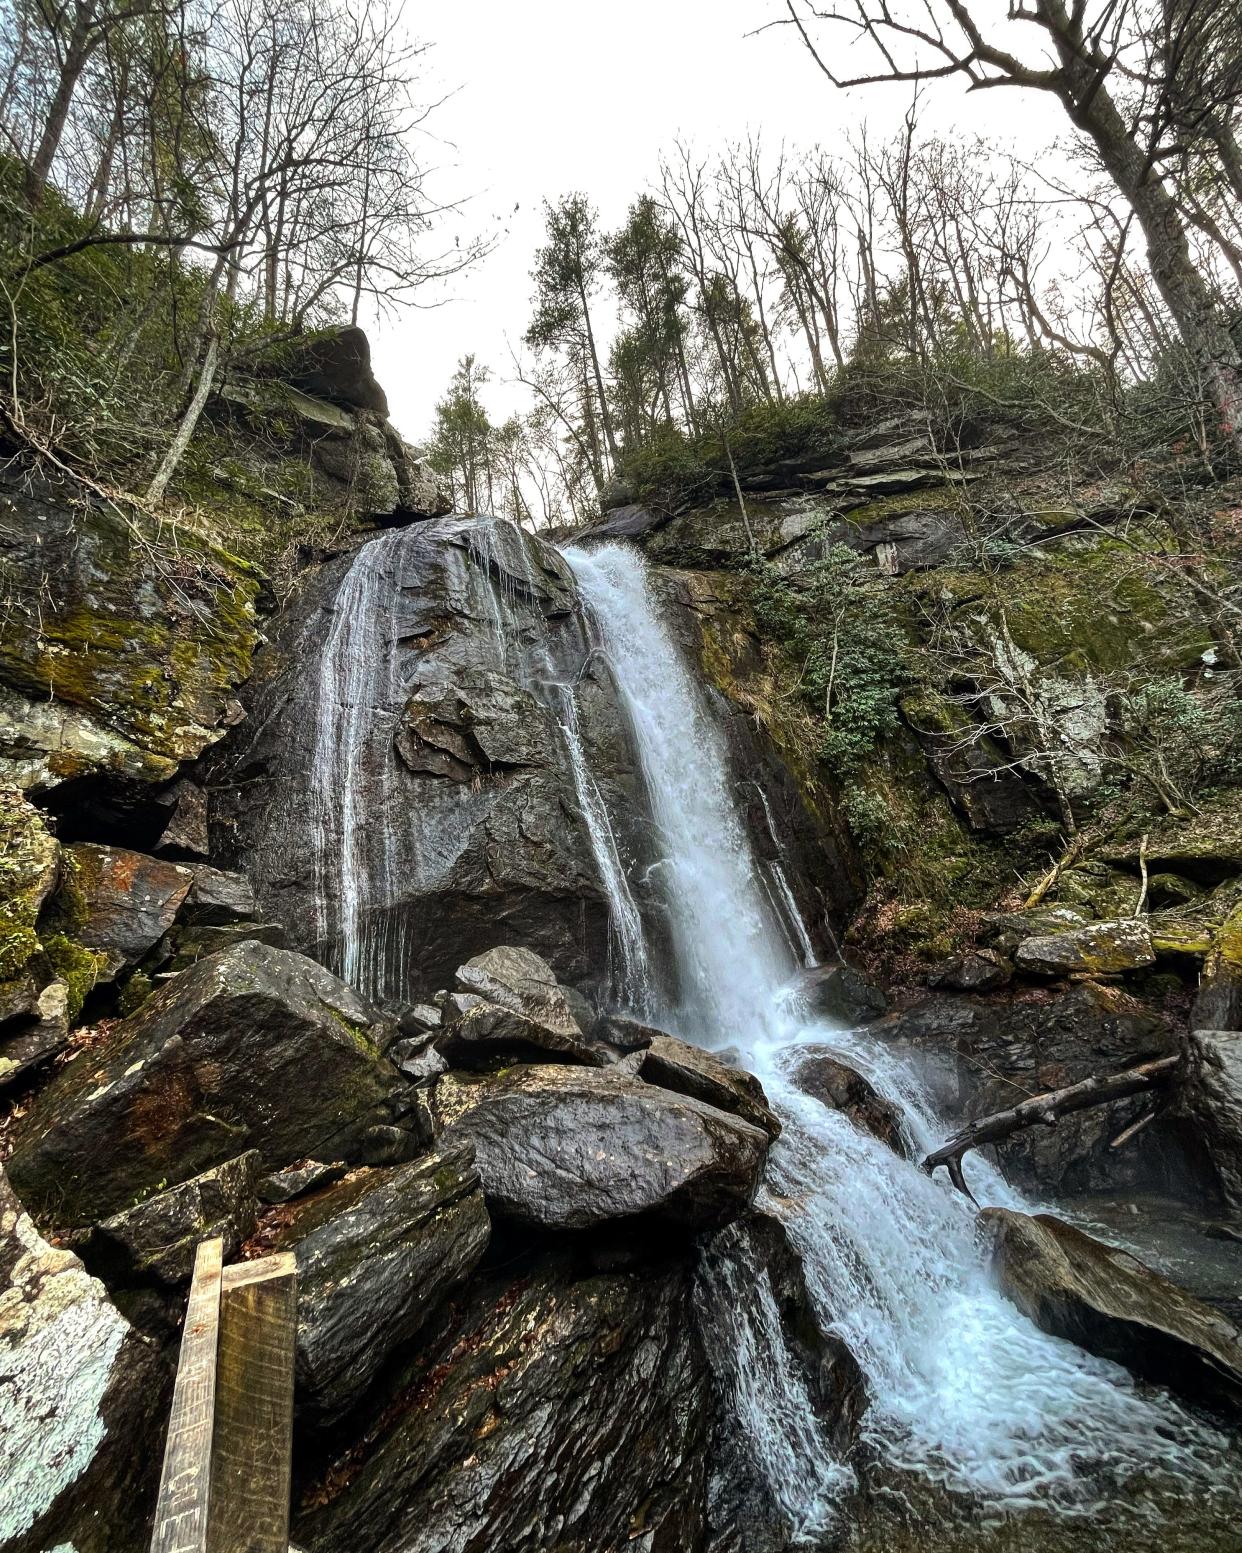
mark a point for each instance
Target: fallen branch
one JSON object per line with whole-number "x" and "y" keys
{"x": 1047, "y": 1109}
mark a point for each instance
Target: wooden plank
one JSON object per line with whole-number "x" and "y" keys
{"x": 182, "y": 1509}
{"x": 252, "y": 1448}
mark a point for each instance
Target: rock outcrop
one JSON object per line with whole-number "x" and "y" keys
{"x": 822, "y": 1075}
{"x": 1109, "y": 1303}
{"x": 376, "y": 1253}
{"x": 253, "y": 1048}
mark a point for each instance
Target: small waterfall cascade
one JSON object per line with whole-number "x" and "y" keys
{"x": 965, "y": 1393}
{"x": 503, "y": 567}
{"x": 357, "y": 697}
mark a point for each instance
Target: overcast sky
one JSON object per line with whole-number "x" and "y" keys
{"x": 556, "y": 95}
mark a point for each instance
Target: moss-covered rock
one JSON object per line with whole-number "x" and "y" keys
{"x": 28, "y": 867}
{"x": 141, "y": 635}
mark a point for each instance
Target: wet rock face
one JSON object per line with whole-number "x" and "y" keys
{"x": 474, "y": 817}
{"x": 983, "y": 1056}
{"x": 80, "y": 1389}
{"x": 544, "y": 1410}
{"x": 1109, "y": 1303}
{"x": 1212, "y": 1100}
{"x": 252, "y": 1048}
{"x": 376, "y": 1254}
{"x": 118, "y": 901}
{"x": 566, "y": 1148}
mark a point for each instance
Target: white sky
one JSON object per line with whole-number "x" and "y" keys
{"x": 557, "y": 95}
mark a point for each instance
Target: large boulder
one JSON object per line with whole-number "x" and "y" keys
{"x": 253, "y": 1048}
{"x": 819, "y": 1073}
{"x": 333, "y": 364}
{"x": 509, "y": 1007}
{"x": 79, "y": 1437}
{"x": 689, "y": 1070}
{"x": 1106, "y": 1301}
{"x": 119, "y": 902}
{"x": 548, "y": 1410}
{"x": 469, "y": 746}
{"x": 1212, "y": 1099}
{"x": 1101, "y": 949}
{"x": 376, "y": 1253}
{"x": 563, "y": 1148}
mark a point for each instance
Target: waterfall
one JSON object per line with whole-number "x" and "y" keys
{"x": 965, "y": 1392}
{"x": 357, "y": 700}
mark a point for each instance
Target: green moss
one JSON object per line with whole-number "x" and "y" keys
{"x": 79, "y": 968}
{"x": 28, "y": 865}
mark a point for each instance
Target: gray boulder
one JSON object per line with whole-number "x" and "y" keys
{"x": 564, "y": 1148}
{"x": 978, "y": 970}
{"x": 118, "y": 901}
{"x": 833, "y": 1083}
{"x": 485, "y": 1035}
{"x": 689, "y": 1070}
{"x": 1212, "y": 1099}
{"x": 376, "y": 1253}
{"x": 157, "y": 1238}
{"x": 1100, "y": 948}
{"x": 519, "y": 980}
{"x": 1106, "y": 1301}
{"x": 843, "y": 994}
{"x": 253, "y": 1048}
{"x": 78, "y": 1445}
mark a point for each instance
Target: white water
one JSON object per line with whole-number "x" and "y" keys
{"x": 353, "y": 768}
{"x": 964, "y": 1390}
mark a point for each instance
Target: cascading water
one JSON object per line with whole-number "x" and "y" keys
{"x": 352, "y": 767}
{"x": 964, "y": 1391}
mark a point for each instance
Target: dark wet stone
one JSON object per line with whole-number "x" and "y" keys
{"x": 376, "y": 1253}
{"x": 253, "y": 1048}
{"x": 826, "y": 1078}
{"x": 574, "y": 1148}
{"x": 157, "y": 1238}
{"x": 544, "y": 1409}
{"x": 1106, "y": 1301}
{"x": 689, "y": 1070}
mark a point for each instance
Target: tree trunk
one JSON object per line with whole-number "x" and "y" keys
{"x": 76, "y": 56}
{"x": 1185, "y": 292}
{"x": 604, "y": 414}
{"x": 155, "y": 491}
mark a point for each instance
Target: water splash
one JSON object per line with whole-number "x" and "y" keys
{"x": 964, "y": 1390}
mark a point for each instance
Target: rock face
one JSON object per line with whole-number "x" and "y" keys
{"x": 1212, "y": 1099}
{"x": 1109, "y": 1303}
{"x": 689, "y": 1070}
{"x": 80, "y": 1390}
{"x": 982, "y": 1056}
{"x": 546, "y": 1410}
{"x": 842, "y": 994}
{"x": 823, "y": 1076}
{"x": 562, "y": 1148}
{"x": 376, "y": 1254}
{"x": 252, "y": 1048}
{"x": 484, "y": 835}
{"x": 87, "y": 588}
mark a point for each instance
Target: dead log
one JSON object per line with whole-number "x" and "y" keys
{"x": 1047, "y": 1109}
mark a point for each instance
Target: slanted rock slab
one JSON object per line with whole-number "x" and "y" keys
{"x": 79, "y": 1437}
{"x": 157, "y": 1238}
{"x": 1109, "y": 1303}
{"x": 252, "y": 1048}
{"x": 376, "y": 1254}
{"x": 822, "y": 1075}
{"x": 565, "y": 1148}
{"x": 119, "y": 901}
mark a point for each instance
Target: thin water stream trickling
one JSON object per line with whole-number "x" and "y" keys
{"x": 965, "y": 1393}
